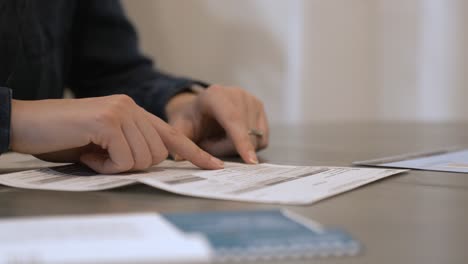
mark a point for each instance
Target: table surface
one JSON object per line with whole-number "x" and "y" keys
{"x": 416, "y": 217}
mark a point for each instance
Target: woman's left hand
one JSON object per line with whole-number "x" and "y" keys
{"x": 222, "y": 121}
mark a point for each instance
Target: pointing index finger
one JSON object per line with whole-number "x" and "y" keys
{"x": 178, "y": 144}
{"x": 236, "y": 128}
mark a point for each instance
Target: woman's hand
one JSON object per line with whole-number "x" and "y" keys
{"x": 222, "y": 121}
{"x": 109, "y": 134}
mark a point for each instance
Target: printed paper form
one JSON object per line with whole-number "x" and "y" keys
{"x": 265, "y": 183}
{"x": 63, "y": 178}
{"x": 269, "y": 183}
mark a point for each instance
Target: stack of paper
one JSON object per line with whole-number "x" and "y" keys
{"x": 139, "y": 238}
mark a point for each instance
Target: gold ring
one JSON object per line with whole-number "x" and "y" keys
{"x": 255, "y": 132}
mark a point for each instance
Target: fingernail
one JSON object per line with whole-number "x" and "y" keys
{"x": 178, "y": 158}
{"x": 218, "y": 162}
{"x": 252, "y": 157}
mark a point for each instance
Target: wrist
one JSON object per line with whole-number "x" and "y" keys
{"x": 177, "y": 103}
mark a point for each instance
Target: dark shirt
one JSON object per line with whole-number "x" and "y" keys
{"x": 86, "y": 45}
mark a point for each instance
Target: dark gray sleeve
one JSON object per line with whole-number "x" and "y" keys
{"x": 107, "y": 59}
{"x": 5, "y": 118}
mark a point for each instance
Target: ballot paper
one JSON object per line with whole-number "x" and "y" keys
{"x": 448, "y": 160}
{"x": 135, "y": 238}
{"x": 263, "y": 183}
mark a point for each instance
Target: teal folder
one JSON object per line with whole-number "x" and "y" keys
{"x": 264, "y": 235}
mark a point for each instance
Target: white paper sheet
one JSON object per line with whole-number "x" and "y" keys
{"x": 135, "y": 238}
{"x": 448, "y": 160}
{"x": 265, "y": 183}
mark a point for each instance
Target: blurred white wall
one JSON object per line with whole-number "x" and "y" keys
{"x": 319, "y": 60}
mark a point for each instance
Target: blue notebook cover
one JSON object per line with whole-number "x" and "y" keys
{"x": 253, "y": 235}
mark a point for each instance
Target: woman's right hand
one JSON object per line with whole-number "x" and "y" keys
{"x": 109, "y": 134}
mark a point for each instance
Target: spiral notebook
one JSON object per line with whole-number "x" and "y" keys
{"x": 242, "y": 236}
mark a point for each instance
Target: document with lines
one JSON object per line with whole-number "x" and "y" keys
{"x": 264, "y": 183}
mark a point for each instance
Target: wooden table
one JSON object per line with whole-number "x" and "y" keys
{"x": 417, "y": 217}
